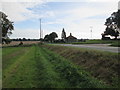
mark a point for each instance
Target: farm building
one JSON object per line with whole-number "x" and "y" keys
{"x": 71, "y": 38}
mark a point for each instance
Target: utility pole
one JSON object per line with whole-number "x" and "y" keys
{"x": 40, "y": 30}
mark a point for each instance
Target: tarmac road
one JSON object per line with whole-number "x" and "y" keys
{"x": 102, "y": 47}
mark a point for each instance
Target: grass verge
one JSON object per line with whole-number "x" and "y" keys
{"x": 75, "y": 76}
{"x": 101, "y": 65}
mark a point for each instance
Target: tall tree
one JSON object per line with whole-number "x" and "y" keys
{"x": 6, "y": 26}
{"x": 113, "y": 25}
{"x": 63, "y": 36}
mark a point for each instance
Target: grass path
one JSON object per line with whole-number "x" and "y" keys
{"x": 37, "y": 67}
{"x": 48, "y": 77}
{"x": 21, "y": 72}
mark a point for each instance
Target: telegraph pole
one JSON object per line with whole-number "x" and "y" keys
{"x": 40, "y": 30}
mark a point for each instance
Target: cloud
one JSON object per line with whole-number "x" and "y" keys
{"x": 82, "y": 0}
{"x": 0, "y": 6}
{"x": 102, "y": 0}
{"x": 23, "y": 0}
{"x": 26, "y": 33}
{"x": 30, "y": 33}
{"x": 21, "y": 11}
{"x": 18, "y": 11}
{"x": 82, "y": 30}
{"x": 15, "y": 11}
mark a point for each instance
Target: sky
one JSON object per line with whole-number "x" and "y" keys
{"x": 78, "y": 17}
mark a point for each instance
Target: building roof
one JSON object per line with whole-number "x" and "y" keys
{"x": 71, "y": 37}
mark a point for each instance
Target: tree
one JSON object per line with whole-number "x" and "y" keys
{"x": 24, "y": 39}
{"x": 51, "y": 37}
{"x": 6, "y": 26}
{"x": 112, "y": 32}
{"x": 46, "y": 38}
{"x": 113, "y": 25}
{"x": 63, "y": 36}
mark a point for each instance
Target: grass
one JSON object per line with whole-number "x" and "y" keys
{"x": 116, "y": 44}
{"x": 102, "y": 65}
{"x": 21, "y": 72}
{"x": 10, "y": 55}
{"x": 111, "y": 42}
{"x": 47, "y": 75}
{"x": 74, "y": 76}
{"x": 38, "y": 67}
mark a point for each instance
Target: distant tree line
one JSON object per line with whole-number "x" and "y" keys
{"x": 24, "y": 39}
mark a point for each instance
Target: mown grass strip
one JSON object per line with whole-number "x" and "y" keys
{"x": 21, "y": 73}
{"x": 11, "y": 55}
{"x": 8, "y": 50}
{"x": 46, "y": 73}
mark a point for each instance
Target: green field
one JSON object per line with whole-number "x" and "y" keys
{"x": 115, "y": 43}
{"x": 39, "y": 67}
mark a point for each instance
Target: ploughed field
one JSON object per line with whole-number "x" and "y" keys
{"x": 39, "y": 66}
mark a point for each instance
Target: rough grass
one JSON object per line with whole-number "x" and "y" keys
{"x": 38, "y": 67}
{"x": 102, "y": 65}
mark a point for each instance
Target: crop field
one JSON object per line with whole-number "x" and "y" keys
{"x": 13, "y": 43}
{"x": 39, "y": 66}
